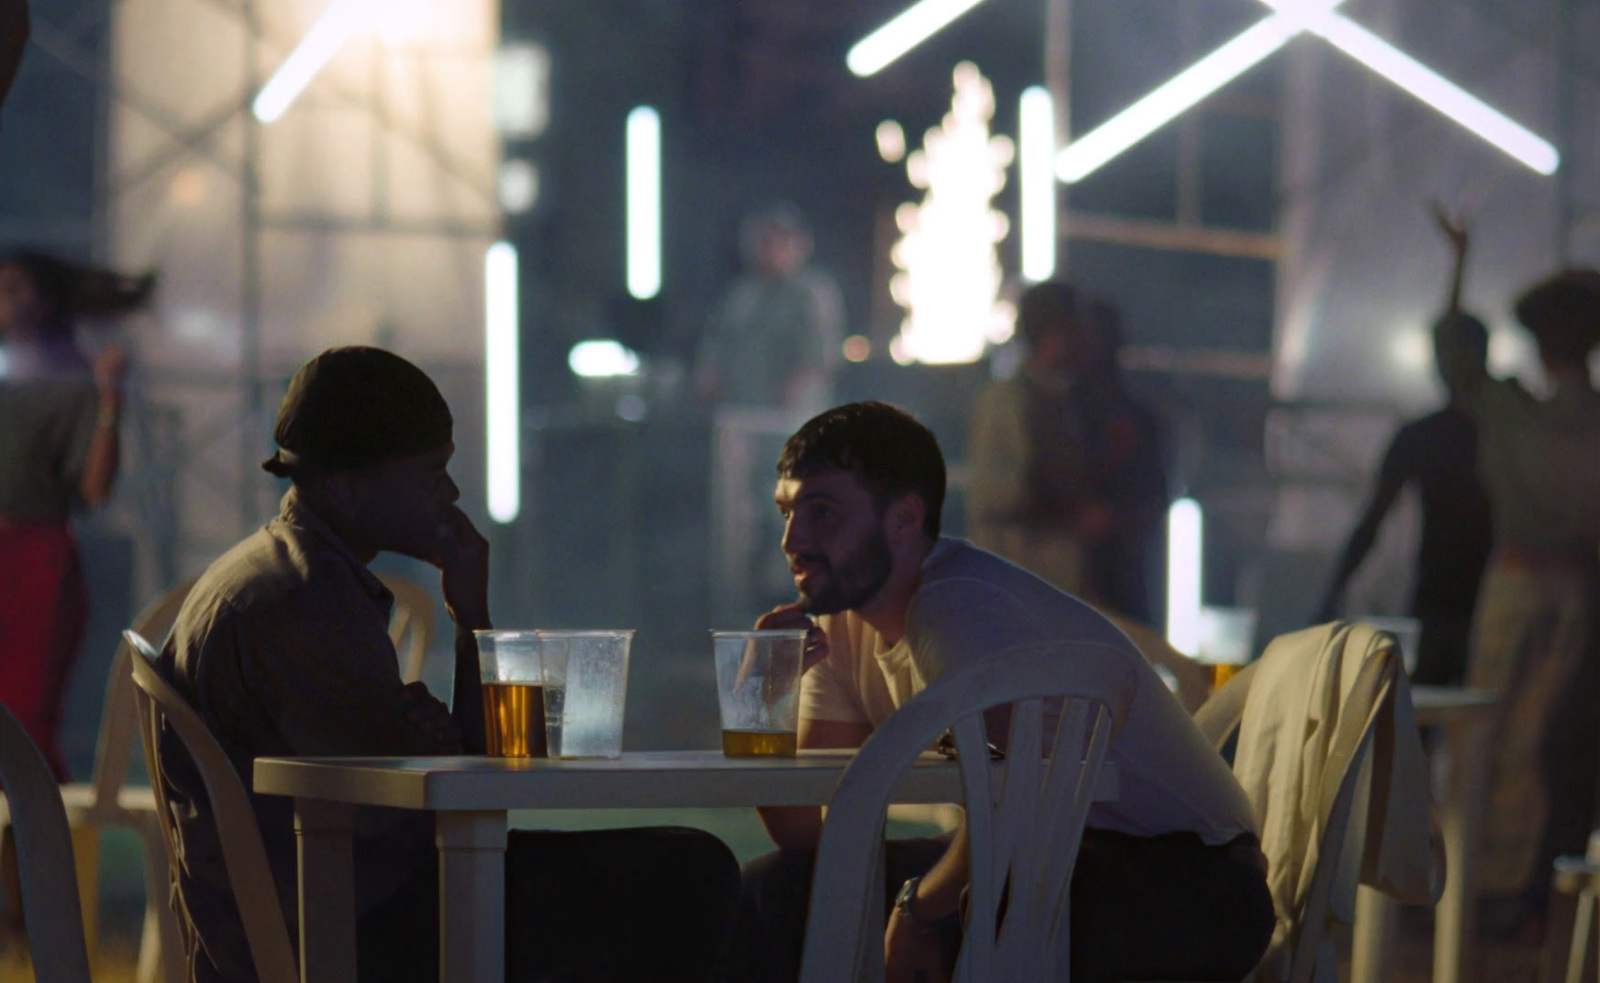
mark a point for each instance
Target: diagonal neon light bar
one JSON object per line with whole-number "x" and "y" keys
{"x": 342, "y": 19}
{"x": 1087, "y": 154}
{"x": 908, "y": 29}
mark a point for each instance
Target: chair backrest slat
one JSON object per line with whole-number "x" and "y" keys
{"x": 45, "y": 866}
{"x": 249, "y": 874}
{"x": 1094, "y": 683}
{"x": 413, "y": 613}
{"x": 114, "y": 745}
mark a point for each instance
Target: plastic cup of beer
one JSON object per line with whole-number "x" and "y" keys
{"x": 1226, "y": 635}
{"x": 585, "y": 691}
{"x": 512, "y": 674}
{"x": 758, "y": 691}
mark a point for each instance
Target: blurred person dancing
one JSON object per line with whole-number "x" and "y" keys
{"x": 1438, "y": 454}
{"x": 58, "y": 454}
{"x": 1535, "y": 636}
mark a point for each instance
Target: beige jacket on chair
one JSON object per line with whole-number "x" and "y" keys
{"x": 1304, "y": 712}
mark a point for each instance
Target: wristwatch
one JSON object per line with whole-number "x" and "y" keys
{"x": 906, "y": 900}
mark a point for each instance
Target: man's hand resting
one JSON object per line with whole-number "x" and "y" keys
{"x": 431, "y": 717}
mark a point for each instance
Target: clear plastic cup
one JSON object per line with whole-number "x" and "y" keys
{"x": 758, "y": 691}
{"x": 585, "y": 691}
{"x": 512, "y": 674}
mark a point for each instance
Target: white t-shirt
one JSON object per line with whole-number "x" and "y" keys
{"x": 971, "y": 603}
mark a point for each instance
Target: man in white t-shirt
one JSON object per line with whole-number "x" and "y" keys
{"x": 1169, "y": 884}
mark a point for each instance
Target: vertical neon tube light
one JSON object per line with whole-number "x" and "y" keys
{"x": 644, "y": 202}
{"x": 502, "y": 399}
{"x": 1037, "y": 132}
{"x": 1184, "y": 556}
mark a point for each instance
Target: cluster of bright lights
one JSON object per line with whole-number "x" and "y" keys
{"x": 521, "y": 90}
{"x": 1185, "y": 554}
{"x": 1037, "y": 183}
{"x": 502, "y": 396}
{"x": 1290, "y": 18}
{"x": 949, "y": 275}
{"x": 602, "y": 359}
{"x": 644, "y": 202}
{"x": 910, "y": 28}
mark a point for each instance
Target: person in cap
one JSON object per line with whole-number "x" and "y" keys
{"x": 1535, "y": 639}
{"x": 282, "y": 648}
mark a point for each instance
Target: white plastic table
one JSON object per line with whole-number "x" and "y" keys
{"x": 470, "y": 797}
{"x": 1462, "y": 763}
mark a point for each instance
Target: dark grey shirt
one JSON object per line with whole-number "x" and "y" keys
{"x": 283, "y": 649}
{"x": 47, "y": 423}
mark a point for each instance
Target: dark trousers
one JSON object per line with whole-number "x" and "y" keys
{"x": 1143, "y": 908}
{"x": 610, "y": 906}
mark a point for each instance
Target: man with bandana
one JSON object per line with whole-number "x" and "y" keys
{"x": 282, "y": 648}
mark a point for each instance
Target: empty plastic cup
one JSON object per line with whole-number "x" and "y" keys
{"x": 585, "y": 691}
{"x": 758, "y": 691}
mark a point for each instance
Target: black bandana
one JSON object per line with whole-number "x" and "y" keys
{"x": 351, "y": 408}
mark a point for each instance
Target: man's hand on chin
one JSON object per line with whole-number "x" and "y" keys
{"x": 911, "y": 954}
{"x": 462, "y": 557}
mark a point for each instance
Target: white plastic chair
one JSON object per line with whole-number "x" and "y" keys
{"x": 1030, "y": 832}
{"x": 105, "y": 802}
{"x": 44, "y": 859}
{"x": 1345, "y": 812}
{"x": 413, "y": 614}
{"x": 243, "y": 854}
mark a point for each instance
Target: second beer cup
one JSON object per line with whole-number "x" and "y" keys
{"x": 512, "y": 674}
{"x": 758, "y": 691}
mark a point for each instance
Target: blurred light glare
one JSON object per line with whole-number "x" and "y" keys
{"x": 910, "y": 28}
{"x": 1037, "y": 184}
{"x": 502, "y": 398}
{"x": 518, "y": 187}
{"x": 601, "y": 359}
{"x": 857, "y": 348}
{"x": 631, "y": 408}
{"x": 405, "y": 20}
{"x": 1412, "y": 350}
{"x": 342, "y": 19}
{"x": 891, "y": 141}
{"x": 521, "y": 90}
{"x": 644, "y": 202}
{"x": 1185, "y": 554}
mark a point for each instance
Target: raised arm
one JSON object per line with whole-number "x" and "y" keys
{"x": 1456, "y": 234}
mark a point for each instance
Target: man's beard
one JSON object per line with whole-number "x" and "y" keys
{"x": 855, "y": 581}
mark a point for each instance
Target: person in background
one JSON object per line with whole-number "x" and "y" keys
{"x": 1169, "y": 883}
{"x": 282, "y": 647}
{"x": 1028, "y": 497}
{"x": 1438, "y": 454}
{"x": 776, "y": 335}
{"x": 59, "y": 448}
{"x": 1535, "y": 640}
{"x": 1123, "y": 451}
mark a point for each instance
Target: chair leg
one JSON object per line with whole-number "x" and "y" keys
{"x": 161, "y": 954}
{"x": 1583, "y": 926}
{"x": 86, "y": 860}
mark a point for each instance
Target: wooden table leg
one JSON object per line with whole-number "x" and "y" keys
{"x": 1456, "y": 915}
{"x": 327, "y": 891}
{"x": 472, "y": 896}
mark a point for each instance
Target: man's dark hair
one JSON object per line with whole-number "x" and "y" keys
{"x": 1464, "y": 329}
{"x": 1046, "y": 307}
{"x": 892, "y": 452}
{"x": 1563, "y": 312}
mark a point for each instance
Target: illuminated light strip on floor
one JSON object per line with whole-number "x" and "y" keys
{"x": 910, "y": 28}
{"x": 1087, "y": 154}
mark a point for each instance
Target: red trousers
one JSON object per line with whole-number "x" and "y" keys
{"x": 42, "y": 612}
